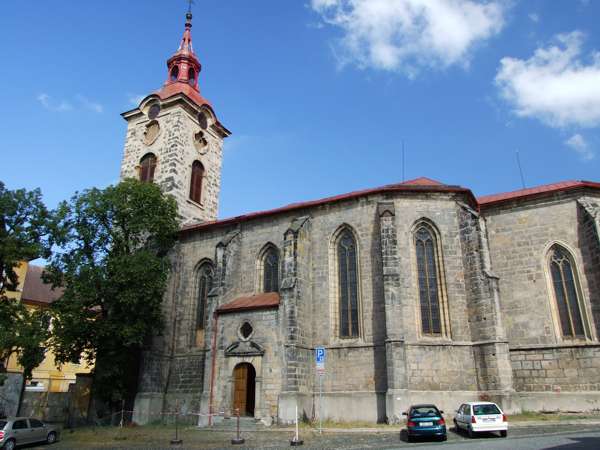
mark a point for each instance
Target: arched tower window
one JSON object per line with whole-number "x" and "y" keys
{"x": 566, "y": 292}
{"x": 429, "y": 280}
{"x": 191, "y": 77}
{"x": 348, "y": 285}
{"x": 174, "y": 73}
{"x": 147, "y": 168}
{"x": 205, "y": 282}
{"x": 196, "y": 181}
{"x": 270, "y": 270}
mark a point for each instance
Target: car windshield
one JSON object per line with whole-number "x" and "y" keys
{"x": 2, "y": 424}
{"x": 424, "y": 411}
{"x": 481, "y": 410}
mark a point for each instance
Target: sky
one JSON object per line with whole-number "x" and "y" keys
{"x": 320, "y": 95}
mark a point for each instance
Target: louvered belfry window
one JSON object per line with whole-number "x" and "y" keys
{"x": 205, "y": 281}
{"x": 271, "y": 271}
{"x": 196, "y": 181}
{"x": 348, "y": 285}
{"x": 429, "y": 296}
{"x": 147, "y": 167}
{"x": 565, "y": 290}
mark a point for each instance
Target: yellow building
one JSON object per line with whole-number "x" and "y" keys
{"x": 34, "y": 293}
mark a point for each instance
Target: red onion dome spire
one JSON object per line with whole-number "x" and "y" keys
{"x": 184, "y": 69}
{"x": 184, "y": 66}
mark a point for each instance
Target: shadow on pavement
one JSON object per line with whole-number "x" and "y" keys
{"x": 583, "y": 443}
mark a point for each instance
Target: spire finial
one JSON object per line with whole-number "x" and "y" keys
{"x": 190, "y": 3}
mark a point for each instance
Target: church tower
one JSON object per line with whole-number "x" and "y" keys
{"x": 175, "y": 140}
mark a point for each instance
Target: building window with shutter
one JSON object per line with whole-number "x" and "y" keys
{"x": 432, "y": 305}
{"x": 348, "y": 297}
{"x": 196, "y": 182}
{"x": 567, "y": 293}
{"x": 147, "y": 168}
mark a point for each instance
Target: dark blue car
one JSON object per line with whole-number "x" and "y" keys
{"x": 425, "y": 421}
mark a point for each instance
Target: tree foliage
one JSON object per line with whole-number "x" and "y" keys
{"x": 24, "y": 222}
{"x": 111, "y": 256}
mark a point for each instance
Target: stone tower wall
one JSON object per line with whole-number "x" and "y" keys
{"x": 176, "y": 149}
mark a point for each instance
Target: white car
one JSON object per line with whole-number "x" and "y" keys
{"x": 476, "y": 417}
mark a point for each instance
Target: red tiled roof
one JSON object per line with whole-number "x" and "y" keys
{"x": 35, "y": 290}
{"x": 417, "y": 185}
{"x": 494, "y": 199}
{"x": 258, "y": 301}
{"x": 423, "y": 181}
{"x": 172, "y": 89}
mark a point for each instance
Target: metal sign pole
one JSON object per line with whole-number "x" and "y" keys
{"x": 320, "y": 353}
{"x": 320, "y": 403}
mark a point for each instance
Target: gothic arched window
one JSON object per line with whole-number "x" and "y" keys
{"x": 196, "y": 181}
{"x": 429, "y": 280}
{"x": 270, "y": 270}
{"x": 566, "y": 292}
{"x": 348, "y": 285}
{"x": 147, "y": 167}
{"x": 205, "y": 281}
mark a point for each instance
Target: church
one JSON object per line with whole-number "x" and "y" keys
{"x": 418, "y": 291}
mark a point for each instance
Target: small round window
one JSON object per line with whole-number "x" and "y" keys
{"x": 153, "y": 111}
{"x": 246, "y": 330}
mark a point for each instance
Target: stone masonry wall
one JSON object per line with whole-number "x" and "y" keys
{"x": 571, "y": 369}
{"x": 520, "y": 237}
{"x": 441, "y": 368}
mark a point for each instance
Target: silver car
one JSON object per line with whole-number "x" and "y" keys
{"x": 23, "y": 430}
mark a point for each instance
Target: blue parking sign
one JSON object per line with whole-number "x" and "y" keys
{"x": 320, "y": 358}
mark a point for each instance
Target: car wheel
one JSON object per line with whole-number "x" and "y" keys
{"x": 470, "y": 433}
{"x": 409, "y": 438}
{"x": 503, "y": 433}
{"x": 51, "y": 439}
{"x": 444, "y": 438}
{"x": 10, "y": 445}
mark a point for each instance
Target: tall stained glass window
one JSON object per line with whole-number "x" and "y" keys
{"x": 429, "y": 295}
{"x": 566, "y": 293}
{"x": 271, "y": 271}
{"x": 348, "y": 285}
{"x": 205, "y": 281}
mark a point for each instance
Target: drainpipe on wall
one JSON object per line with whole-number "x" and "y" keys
{"x": 213, "y": 365}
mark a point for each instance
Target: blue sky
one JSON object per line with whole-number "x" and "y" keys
{"x": 319, "y": 94}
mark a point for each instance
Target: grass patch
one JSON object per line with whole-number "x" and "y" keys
{"x": 551, "y": 416}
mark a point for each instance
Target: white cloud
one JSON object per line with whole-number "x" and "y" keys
{"x": 556, "y": 85}
{"x": 534, "y": 17}
{"x": 63, "y": 105}
{"x": 48, "y": 103}
{"x": 135, "y": 99}
{"x": 88, "y": 104}
{"x": 578, "y": 143}
{"x": 409, "y": 35}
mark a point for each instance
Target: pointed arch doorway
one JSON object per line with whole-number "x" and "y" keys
{"x": 244, "y": 389}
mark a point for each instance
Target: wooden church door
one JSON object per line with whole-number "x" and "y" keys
{"x": 244, "y": 377}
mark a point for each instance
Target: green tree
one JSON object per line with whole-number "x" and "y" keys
{"x": 111, "y": 256}
{"x": 24, "y": 224}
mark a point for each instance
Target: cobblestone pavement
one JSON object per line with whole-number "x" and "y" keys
{"x": 536, "y": 437}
